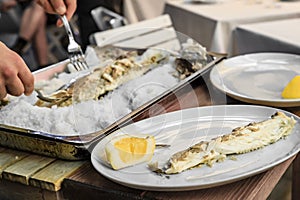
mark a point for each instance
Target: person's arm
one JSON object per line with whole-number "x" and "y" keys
{"x": 15, "y": 76}
{"x": 60, "y": 7}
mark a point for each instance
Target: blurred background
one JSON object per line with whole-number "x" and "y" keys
{"x": 32, "y": 33}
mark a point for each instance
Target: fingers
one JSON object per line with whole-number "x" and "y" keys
{"x": 53, "y": 6}
{"x": 11, "y": 84}
{"x": 71, "y": 8}
{"x": 15, "y": 77}
{"x": 18, "y": 78}
{"x": 60, "y": 7}
{"x": 3, "y": 92}
{"x": 26, "y": 78}
{"x": 14, "y": 86}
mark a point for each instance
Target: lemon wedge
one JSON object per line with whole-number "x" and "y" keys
{"x": 125, "y": 150}
{"x": 292, "y": 89}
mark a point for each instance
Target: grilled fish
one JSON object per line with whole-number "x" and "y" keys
{"x": 241, "y": 140}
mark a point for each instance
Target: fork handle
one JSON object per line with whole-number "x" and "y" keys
{"x": 67, "y": 27}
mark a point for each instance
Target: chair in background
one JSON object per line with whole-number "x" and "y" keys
{"x": 106, "y": 19}
{"x": 155, "y": 32}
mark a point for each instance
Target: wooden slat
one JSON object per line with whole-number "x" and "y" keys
{"x": 35, "y": 170}
{"x": 126, "y": 32}
{"x": 51, "y": 177}
{"x": 87, "y": 183}
{"x": 9, "y": 157}
{"x": 21, "y": 171}
{"x": 16, "y": 191}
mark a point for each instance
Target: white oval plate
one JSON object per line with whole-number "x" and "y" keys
{"x": 184, "y": 128}
{"x": 257, "y": 78}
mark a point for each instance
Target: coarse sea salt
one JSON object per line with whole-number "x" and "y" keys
{"x": 90, "y": 116}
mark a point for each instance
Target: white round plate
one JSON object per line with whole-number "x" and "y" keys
{"x": 181, "y": 129}
{"x": 257, "y": 78}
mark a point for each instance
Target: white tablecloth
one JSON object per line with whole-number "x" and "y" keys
{"x": 139, "y": 10}
{"x": 212, "y": 24}
{"x": 275, "y": 36}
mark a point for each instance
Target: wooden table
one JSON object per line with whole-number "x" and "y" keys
{"x": 79, "y": 180}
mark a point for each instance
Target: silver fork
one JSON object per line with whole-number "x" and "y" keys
{"x": 76, "y": 55}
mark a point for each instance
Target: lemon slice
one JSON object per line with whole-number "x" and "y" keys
{"x": 125, "y": 150}
{"x": 292, "y": 89}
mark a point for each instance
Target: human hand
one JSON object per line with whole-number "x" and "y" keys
{"x": 15, "y": 76}
{"x": 7, "y": 4}
{"x": 60, "y": 7}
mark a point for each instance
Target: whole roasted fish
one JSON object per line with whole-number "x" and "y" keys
{"x": 103, "y": 80}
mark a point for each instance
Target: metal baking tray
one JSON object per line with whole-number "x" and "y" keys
{"x": 79, "y": 147}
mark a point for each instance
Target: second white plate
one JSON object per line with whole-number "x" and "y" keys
{"x": 257, "y": 78}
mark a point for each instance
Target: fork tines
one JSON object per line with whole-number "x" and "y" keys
{"x": 76, "y": 55}
{"x": 77, "y": 59}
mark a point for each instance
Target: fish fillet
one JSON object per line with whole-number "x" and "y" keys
{"x": 241, "y": 140}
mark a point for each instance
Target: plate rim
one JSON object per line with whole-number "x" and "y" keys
{"x": 150, "y": 187}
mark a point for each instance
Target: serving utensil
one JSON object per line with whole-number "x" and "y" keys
{"x": 76, "y": 55}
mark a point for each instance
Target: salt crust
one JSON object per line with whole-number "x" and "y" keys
{"x": 89, "y": 116}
